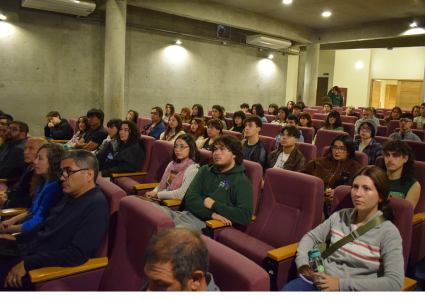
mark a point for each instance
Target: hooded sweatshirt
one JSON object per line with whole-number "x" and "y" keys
{"x": 231, "y": 191}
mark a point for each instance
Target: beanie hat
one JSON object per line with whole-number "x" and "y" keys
{"x": 372, "y": 126}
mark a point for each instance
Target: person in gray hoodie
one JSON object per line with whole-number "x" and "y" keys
{"x": 373, "y": 261}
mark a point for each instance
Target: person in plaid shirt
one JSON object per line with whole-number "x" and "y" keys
{"x": 367, "y": 143}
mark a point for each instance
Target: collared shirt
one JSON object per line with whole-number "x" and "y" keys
{"x": 408, "y": 136}
{"x": 373, "y": 150}
{"x": 211, "y": 287}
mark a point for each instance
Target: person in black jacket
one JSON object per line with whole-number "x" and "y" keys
{"x": 57, "y": 128}
{"x": 12, "y": 162}
{"x": 129, "y": 156}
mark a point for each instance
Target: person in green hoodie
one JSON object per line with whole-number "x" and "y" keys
{"x": 336, "y": 97}
{"x": 220, "y": 191}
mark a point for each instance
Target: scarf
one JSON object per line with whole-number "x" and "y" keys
{"x": 177, "y": 168}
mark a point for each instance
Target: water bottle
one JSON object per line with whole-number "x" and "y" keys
{"x": 316, "y": 264}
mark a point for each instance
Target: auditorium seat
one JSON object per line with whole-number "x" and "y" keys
{"x": 311, "y": 111}
{"x": 286, "y": 213}
{"x": 359, "y": 113}
{"x": 186, "y": 127}
{"x": 320, "y": 117}
{"x": 209, "y": 113}
{"x": 361, "y": 157}
{"x": 317, "y": 124}
{"x": 418, "y": 132}
{"x": 418, "y": 149}
{"x": 380, "y": 116}
{"x": 270, "y": 130}
{"x": 205, "y": 157}
{"x": 349, "y": 119}
{"x": 348, "y": 128}
{"x": 308, "y": 150}
{"x": 270, "y": 118}
{"x": 236, "y": 134}
{"x": 207, "y": 118}
{"x": 138, "y": 222}
{"x": 73, "y": 122}
{"x": 229, "y": 122}
{"x": 324, "y": 138}
{"x": 269, "y": 143}
{"x": 307, "y": 134}
{"x": 382, "y": 131}
{"x": 141, "y": 122}
{"x": 392, "y": 126}
{"x": 126, "y": 180}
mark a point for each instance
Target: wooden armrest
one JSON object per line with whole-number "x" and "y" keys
{"x": 145, "y": 186}
{"x": 44, "y": 274}
{"x": 408, "y": 283}
{"x": 219, "y": 224}
{"x": 3, "y": 180}
{"x": 116, "y": 175}
{"x": 418, "y": 218}
{"x": 2, "y": 192}
{"x": 171, "y": 202}
{"x": 282, "y": 253}
{"x": 59, "y": 141}
{"x": 7, "y": 212}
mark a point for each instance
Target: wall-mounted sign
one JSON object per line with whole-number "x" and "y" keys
{"x": 326, "y": 74}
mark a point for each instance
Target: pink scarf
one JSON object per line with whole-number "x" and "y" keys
{"x": 177, "y": 168}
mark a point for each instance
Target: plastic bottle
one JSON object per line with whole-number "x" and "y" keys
{"x": 316, "y": 264}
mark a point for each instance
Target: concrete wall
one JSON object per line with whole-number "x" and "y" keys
{"x": 326, "y": 65}
{"x": 292, "y": 81}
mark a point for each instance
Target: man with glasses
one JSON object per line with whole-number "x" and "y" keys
{"x": 73, "y": 231}
{"x": 12, "y": 162}
{"x": 157, "y": 126}
{"x": 406, "y": 121}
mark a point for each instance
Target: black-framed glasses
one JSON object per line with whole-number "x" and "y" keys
{"x": 338, "y": 149}
{"x": 367, "y": 129}
{"x": 13, "y": 129}
{"x": 405, "y": 121}
{"x": 67, "y": 173}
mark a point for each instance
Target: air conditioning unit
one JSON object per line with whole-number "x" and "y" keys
{"x": 292, "y": 51}
{"x": 268, "y": 41}
{"x": 72, "y": 7}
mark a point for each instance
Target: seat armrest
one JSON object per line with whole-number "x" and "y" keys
{"x": 116, "y": 175}
{"x": 408, "y": 284}
{"x": 59, "y": 141}
{"x": 7, "y": 212}
{"x": 2, "y": 192}
{"x": 282, "y": 253}
{"x": 44, "y": 274}
{"x": 3, "y": 180}
{"x": 145, "y": 186}
{"x": 171, "y": 202}
{"x": 418, "y": 218}
{"x": 219, "y": 224}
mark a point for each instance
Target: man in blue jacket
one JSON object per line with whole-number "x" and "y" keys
{"x": 157, "y": 126}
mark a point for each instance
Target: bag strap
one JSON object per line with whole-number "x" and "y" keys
{"x": 353, "y": 235}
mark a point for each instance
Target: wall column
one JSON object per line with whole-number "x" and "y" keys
{"x": 115, "y": 30}
{"x": 311, "y": 71}
{"x": 423, "y": 89}
{"x": 301, "y": 72}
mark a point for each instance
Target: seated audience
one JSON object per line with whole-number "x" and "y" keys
{"x": 302, "y": 105}
{"x": 180, "y": 171}
{"x": 253, "y": 148}
{"x": 3, "y": 134}
{"x": 367, "y": 115}
{"x": 128, "y": 156}
{"x": 333, "y": 122}
{"x": 399, "y": 164}
{"x": 238, "y": 122}
{"x": 374, "y": 262}
{"x": 257, "y": 110}
{"x": 73, "y": 231}
{"x": 406, "y": 121}
{"x": 294, "y": 121}
{"x": 94, "y": 137}
{"x": 225, "y": 113}
{"x": 132, "y": 115}
{"x": 220, "y": 191}
{"x": 47, "y": 192}
{"x": 416, "y": 111}
{"x": 297, "y": 109}
{"x": 157, "y": 126}
{"x": 214, "y": 130}
{"x": 327, "y": 108}
{"x": 283, "y": 113}
{"x": 169, "y": 110}
{"x": 218, "y": 113}
{"x": 336, "y": 97}
{"x": 288, "y": 157}
{"x": 375, "y": 114}
{"x": 289, "y": 105}
{"x": 112, "y": 129}
{"x": 350, "y": 111}
{"x": 12, "y": 162}
{"x": 367, "y": 143}
{"x": 198, "y": 112}
{"x": 185, "y": 115}
{"x": 57, "y": 128}
{"x": 420, "y": 120}
{"x": 306, "y": 121}
{"x": 197, "y": 130}
{"x": 182, "y": 257}
{"x": 244, "y": 107}
{"x": 173, "y": 130}
{"x": 18, "y": 195}
{"x": 394, "y": 115}
{"x": 5, "y": 119}
{"x": 83, "y": 126}
{"x": 273, "y": 109}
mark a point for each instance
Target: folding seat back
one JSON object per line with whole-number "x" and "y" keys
{"x": 308, "y": 150}
{"x": 318, "y": 123}
{"x": 348, "y": 128}
{"x": 319, "y": 108}
{"x": 233, "y": 271}
{"x": 207, "y": 118}
{"x": 380, "y": 117}
{"x": 162, "y": 154}
{"x": 382, "y": 122}
{"x": 205, "y": 157}
{"x": 270, "y": 118}
{"x": 311, "y": 111}
{"x": 270, "y": 130}
{"x": 359, "y": 113}
{"x": 247, "y": 114}
{"x": 338, "y": 109}
{"x": 418, "y": 149}
{"x": 138, "y": 222}
{"x": 324, "y": 138}
{"x": 254, "y": 172}
{"x": 307, "y": 134}
{"x": 269, "y": 143}
{"x": 209, "y": 113}
{"x": 349, "y": 119}
{"x": 382, "y": 131}
{"x": 229, "y": 122}
{"x": 114, "y": 194}
{"x": 419, "y": 133}
{"x": 141, "y": 122}
{"x": 231, "y": 113}
{"x": 74, "y": 125}
{"x": 361, "y": 157}
{"x": 236, "y": 134}
{"x": 402, "y": 209}
{"x": 147, "y": 144}
{"x": 320, "y": 117}
{"x": 186, "y": 127}
{"x": 392, "y": 126}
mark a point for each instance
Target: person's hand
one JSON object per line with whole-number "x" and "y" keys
{"x": 15, "y": 275}
{"x": 328, "y": 283}
{"x": 306, "y": 271}
{"x": 5, "y": 224}
{"x": 262, "y": 184}
{"x": 208, "y": 203}
{"x": 7, "y": 237}
{"x": 218, "y": 217}
{"x": 330, "y": 193}
{"x": 50, "y": 124}
{"x": 3, "y": 199}
{"x": 152, "y": 194}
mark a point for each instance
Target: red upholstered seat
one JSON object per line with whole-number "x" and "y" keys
{"x": 320, "y": 117}
{"x": 349, "y": 119}
{"x": 382, "y": 131}
{"x": 382, "y": 122}
{"x": 205, "y": 157}
{"x": 419, "y": 133}
{"x": 308, "y": 150}
{"x": 317, "y": 123}
{"x": 229, "y": 122}
{"x": 311, "y": 111}
{"x": 418, "y": 149}
{"x": 324, "y": 138}
{"x": 348, "y": 128}
{"x": 269, "y": 143}
{"x": 74, "y": 125}
{"x": 307, "y": 134}
{"x": 361, "y": 157}
{"x": 392, "y": 126}
{"x": 236, "y": 134}
{"x": 270, "y": 130}
{"x": 141, "y": 122}
{"x": 270, "y": 118}
{"x": 186, "y": 127}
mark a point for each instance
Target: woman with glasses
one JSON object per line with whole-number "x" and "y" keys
{"x": 214, "y": 130}
{"x": 129, "y": 155}
{"x": 367, "y": 143}
{"x": 180, "y": 171}
{"x": 46, "y": 189}
{"x": 173, "y": 130}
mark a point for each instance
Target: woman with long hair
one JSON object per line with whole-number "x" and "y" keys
{"x": 273, "y": 109}
{"x": 218, "y": 113}
{"x": 257, "y": 110}
{"x": 238, "y": 119}
{"x": 173, "y": 130}
{"x": 197, "y": 130}
{"x": 185, "y": 114}
{"x": 394, "y": 115}
{"x": 289, "y": 105}
{"x": 132, "y": 115}
{"x": 214, "y": 130}
{"x": 83, "y": 126}
{"x": 46, "y": 186}
{"x": 333, "y": 122}
{"x": 306, "y": 121}
{"x": 416, "y": 111}
{"x": 169, "y": 110}
{"x": 282, "y": 114}
{"x": 197, "y": 111}
{"x": 180, "y": 171}
{"x": 374, "y": 261}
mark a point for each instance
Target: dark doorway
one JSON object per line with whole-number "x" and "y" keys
{"x": 322, "y": 89}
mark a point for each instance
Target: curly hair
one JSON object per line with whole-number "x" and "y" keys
{"x": 338, "y": 123}
{"x": 178, "y": 128}
{"x": 400, "y": 148}
{"x": 200, "y": 131}
{"x": 200, "y": 111}
{"x": 259, "y": 109}
{"x": 133, "y": 134}
{"x": 232, "y": 144}
{"x": 238, "y": 113}
{"x": 193, "y": 150}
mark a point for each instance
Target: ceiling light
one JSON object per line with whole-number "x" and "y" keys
{"x": 287, "y": 1}
{"x": 414, "y": 25}
{"x": 178, "y": 42}
{"x": 326, "y": 14}
{"x": 359, "y": 65}
{"x": 2, "y": 17}
{"x": 270, "y": 56}
{"x": 377, "y": 80}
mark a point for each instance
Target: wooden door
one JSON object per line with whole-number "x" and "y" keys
{"x": 390, "y": 96}
{"x": 322, "y": 89}
{"x": 344, "y": 91}
{"x": 376, "y": 94}
{"x": 409, "y": 93}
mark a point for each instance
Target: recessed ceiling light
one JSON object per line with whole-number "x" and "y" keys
{"x": 2, "y": 17}
{"x": 414, "y": 25}
{"x": 359, "y": 65}
{"x": 287, "y": 1}
{"x": 270, "y": 56}
{"x": 326, "y": 14}
{"x": 178, "y": 42}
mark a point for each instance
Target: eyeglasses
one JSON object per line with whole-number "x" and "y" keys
{"x": 180, "y": 147}
{"x": 286, "y": 135}
{"x": 367, "y": 129}
{"x": 13, "y": 129}
{"x": 67, "y": 173}
{"x": 338, "y": 149}
{"x": 405, "y": 121}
